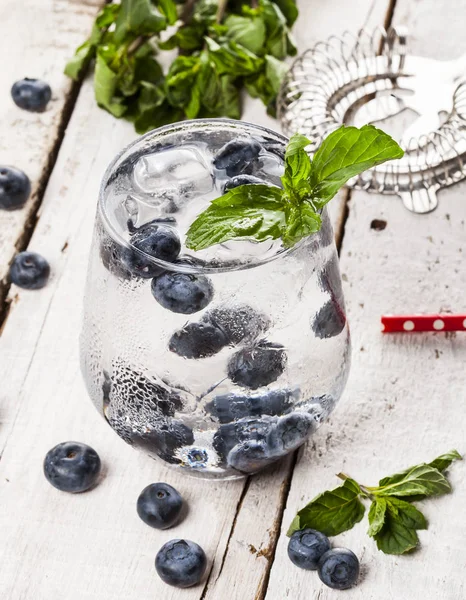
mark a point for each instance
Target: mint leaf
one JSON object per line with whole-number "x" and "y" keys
{"x": 301, "y": 221}
{"x": 444, "y": 461}
{"x": 297, "y": 163}
{"x": 168, "y": 8}
{"x": 376, "y": 516}
{"x": 246, "y": 211}
{"x": 138, "y": 17}
{"x": 105, "y": 87}
{"x": 421, "y": 481}
{"x": 289, "y": 9}
{"x": 232, "y": 59}
{"x": 333, "y": 511}
{"x": 246, "y": 31}
{"x": 398, "y": 532}
{"x": 347, "y": 152}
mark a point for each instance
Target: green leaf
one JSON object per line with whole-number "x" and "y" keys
{"x": 398, "y": 532}
{"x": 232, "y": 59}
{"x": 246, "y": 211}
{"x": 333, "y": 511}
{"x": 105, "y": 87}
{"x": 138, "y": 17}
{"x": 289, "y": 9}
{"x": 168, "y": 8}
{"x": 301, "y": 221}
{"x": 181, "y": 78}
{"x": 189, "y": 37}
{"x": 231, "y": 102}
{"x": 347, "y": 152}
{"x": 275, "y": 71}
{"x": 297, "y": 164}
{"x": 249, "y": 32}
{"x": 86, "y": 52}
{"x": 279, "y": 42}
{"x": 376, "y": 516}
{"x": 422, "y": 480}
{"x": 444, "y": 461}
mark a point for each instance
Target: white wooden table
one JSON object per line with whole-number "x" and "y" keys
{"x": 404, "y": 402}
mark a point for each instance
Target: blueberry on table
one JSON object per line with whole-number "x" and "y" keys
{"x": 239, "y": 323}
{"x": 72, "y": 467}
{"x": 15, "y": 188}
{"x": 182, "y": 292}
{"x": 181, "y": 563}
{"x": 29, "y": 270}
{"x": 235, "y": 182}
{"x": 306, "y": 547}
{"x": 198, "y": 340}
{"x": 229, "y": 407}
{"x": 237, "y": 156}
{"x": 159, "y": 505}
{"x": 339, "y": 568}
{"x": 257, "y": 366}
{"x": 329, "y": 321}
{"x": 31, "y": 94}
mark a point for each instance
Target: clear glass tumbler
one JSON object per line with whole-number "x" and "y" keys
{"x": 222, "y": 361}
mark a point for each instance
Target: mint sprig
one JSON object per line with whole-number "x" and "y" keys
{"x": 393, "y": 520}
{"x": 308, "y": 185}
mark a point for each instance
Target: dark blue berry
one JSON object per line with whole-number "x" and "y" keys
{"x": 238, "y": 156}
{"x": 229, "y": 407}
{"x": 198, "y": 340}
{"x": 29, "y": 270}
{"x": 251, "y": 456}
{"x": 72, "y": 467}
{"x": 257, "y": 366}
{"x": 15, "y": 188}
{"x": 306, "y": 547}
{"x": 168, "y": 437}
{"x": 235, "y": 182}
{"x": 329, "y": 321}
{"x": 277, "y": 149}
{"x": 239, "y": 323}
{"x": 181, "y": 563}
{"x": 330, "y": 281}
{"x": 292, "y": 430}
{"x": 159, "y": 505}
{"x": 182, "y": 292}
{"x": 339, "y": 568}
{"x": 243, "y": 430}
{"x": 31, "y": 94}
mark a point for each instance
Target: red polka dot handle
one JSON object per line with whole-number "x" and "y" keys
{"x": 417, "y": 323}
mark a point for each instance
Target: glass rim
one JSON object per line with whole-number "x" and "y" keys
{"x": 179, "y": 267}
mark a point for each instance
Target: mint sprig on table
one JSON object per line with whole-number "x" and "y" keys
{"x": 224, "y": 46}
{"x": 259, "y": 212}
{"x": 393, "y": 520}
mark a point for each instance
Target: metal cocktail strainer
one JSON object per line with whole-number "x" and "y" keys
{"x": 370, "y": 78}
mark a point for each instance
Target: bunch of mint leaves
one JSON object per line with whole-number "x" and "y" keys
{"x": 259, "y": 212}
{"x": 223, "y": 47}
{"x": 393, "y": 520}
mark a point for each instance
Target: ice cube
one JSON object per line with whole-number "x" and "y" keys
{"x": 182, "y": 171}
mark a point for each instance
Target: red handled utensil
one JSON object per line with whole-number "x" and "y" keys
{"x": 418, "y": 323}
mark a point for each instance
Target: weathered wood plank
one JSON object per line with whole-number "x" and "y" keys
{"x": 404, "y": 399}
{"x": 37, "y": 37}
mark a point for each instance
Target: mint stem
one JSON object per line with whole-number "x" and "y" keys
{"x": 222, "y": 6}
{"x": 365, "y": 489}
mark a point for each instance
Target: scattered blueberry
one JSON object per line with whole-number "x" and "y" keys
{"x": 257, "y": 366}
{"x": 339, "y": 568}
{"x": 181, "y": 563}
{"x": 15, "y": 188}
{"x": 182, "y": 293}
{"x": 229, "y": 407}
{"x": 72, "y": 467}
{"x": 239, "y": 323}
{"x": 159, "y": 505}
{"x": 198, "y": 340}
{"x": 242, "y": 180}
{"x": 31, "y": 94}
{"x": 237, "y": 156}
{"x": 329, "y": 321}
{"x": 306, "y": 547}
{"x": 293, "y": 430}
{"x": 166, "y": 439}
{"x": 29, "y": 271}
